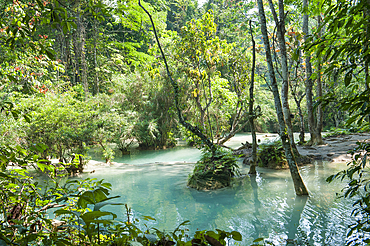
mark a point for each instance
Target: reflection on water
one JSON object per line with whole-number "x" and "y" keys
{"x": 261, "y": 206}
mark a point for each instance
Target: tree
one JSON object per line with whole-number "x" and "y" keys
{"x": 280, "y": 26}
{"x": 347, "y": 56}
{"x": 299, "y": 186}
{"x": 315, "y": 131}
{"x": 252, "y": 115}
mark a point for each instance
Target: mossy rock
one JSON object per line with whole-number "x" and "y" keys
{"x": 214, "y": 170}
{"x": 303, "y": 159}
{"x": 281, "y": 164}
{"x": 210, "y": 180}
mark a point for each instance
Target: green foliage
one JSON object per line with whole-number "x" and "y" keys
{"x": 340, "y": 131}
{"x": 180, "y": 12}
{"x": 343, "y": 48}
{"x": 86, "y": 211}
{"x": 211, "y": 96}
{"x": 272, "y": 155}
{"x": 219, "y": 161}
{"x": 337, "y": 131}
{"x": 357, "y": 188}
{"x": 214, "y": 170}
{"x": 63, "y": 123}
{"x": 151, "y": 98}
{"x": 25, "y": 213}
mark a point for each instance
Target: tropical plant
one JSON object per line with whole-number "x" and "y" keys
{"x": 214, "y": 170}
{"x": 357, "y": 188}
{"x": 272, "y": 155}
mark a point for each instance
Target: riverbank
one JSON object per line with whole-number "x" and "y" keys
{"x": 335, "y": 148}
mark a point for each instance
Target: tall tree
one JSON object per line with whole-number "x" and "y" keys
{"x": 320, "y": 113}
{"x": 299, "y": 186}
{"x": 280, "y": 26}
{"x": 315, "y": 132}
{"x": 252, "y": 116}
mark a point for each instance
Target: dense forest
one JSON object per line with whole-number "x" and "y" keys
{"x": 114, "y": 75}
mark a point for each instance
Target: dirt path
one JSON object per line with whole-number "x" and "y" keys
{"x": 335, "y": 148}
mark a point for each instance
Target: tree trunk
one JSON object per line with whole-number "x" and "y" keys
{"x": 95, "y": 58}
{"x": 253, "y": 164}
{"x": 301, "y": 132}
{"x": 320, "y": 114}
{"x": 83, "y": 59}
{"x": 280, "y": 24}
{"x": 195, "y": 130}
{"x": 367, "y": 77}
{"x": 315, "y": 137}
{"x": 299, "y": 186}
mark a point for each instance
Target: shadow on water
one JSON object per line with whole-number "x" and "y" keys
{"x": 257, "y": 205}
{"x": 294, "y": 220}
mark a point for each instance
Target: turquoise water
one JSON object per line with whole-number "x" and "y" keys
{"x": 263, "y": 206}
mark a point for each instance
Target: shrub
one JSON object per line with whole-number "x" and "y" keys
{"x": 272, "y": 155}
{"x": 214, "y": 170}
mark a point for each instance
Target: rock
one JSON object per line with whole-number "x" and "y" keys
{"x": 210, "y": 180}
{"x": 304, "y": 159}
{"x": 244, "y": 150}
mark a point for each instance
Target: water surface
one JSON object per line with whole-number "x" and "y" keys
{"x": 263, "y": 206}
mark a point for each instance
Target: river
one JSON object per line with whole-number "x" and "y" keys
{"x": 153, "y": 183}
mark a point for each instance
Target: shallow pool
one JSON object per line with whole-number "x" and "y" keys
{"x": 262, "y": 206}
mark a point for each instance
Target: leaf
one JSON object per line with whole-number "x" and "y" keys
{"x": 40, "y": 4}
{"x": 49, "y": 54}
{"x": 61, "y": 199}
{"x": 295, "y": 55}
{"x": 3, "y": 175}
{"x": 27, "y": 118}
{"x": 99, "y": 205}
{"x": 212, "y": 240}
{"x": 3, "y": 243}
{"x": 236, "y": 235}
{"x": 148, "y": 218}
{"x": 258, "y": 240}
{"x": 63, "y": 211}
{"x": 348, "y": 78}
{"x": 89, "y": 217}
{"x": 92, "y": 197}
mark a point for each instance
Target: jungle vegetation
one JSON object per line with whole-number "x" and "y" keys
{"x": 92, "y": 73}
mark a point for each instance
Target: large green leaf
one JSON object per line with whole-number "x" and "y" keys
{"x": 99, "y": 205}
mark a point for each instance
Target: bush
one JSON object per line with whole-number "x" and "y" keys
{"x": 272, "y": 155}
{"x": 214, "y": 171}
